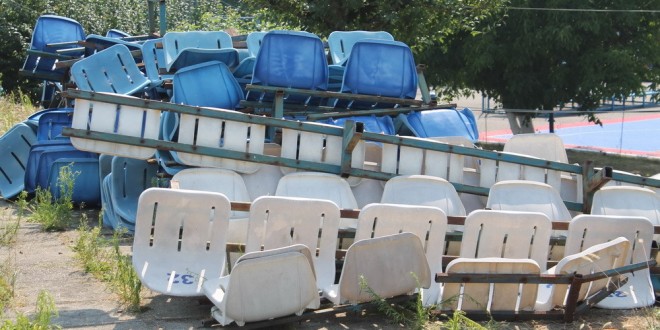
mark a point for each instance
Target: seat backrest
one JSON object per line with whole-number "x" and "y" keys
{"x": 450, "y": 166}
{"x": 597, "y": 258}
{"x": 627, "y": 201}
{"x": 428, "y": 223}
{"x": 209, "y": 84}
{"x": 589, "y": 230}
{"x": 180, "y": 239}
{"x": 423, "y": 190}
{"x": 52, "y": 29}
{"x": 116, "y": 33}
{"x": 41, "y": 160}
{"x": 32, "y": 164}
{"x": 232, "y": 135}
{"x": 290, "y": 59}
{"x": 340, "y": 43}
{"x": 373, "y": 124}
{"x": 548, "y": 146}
{"x": 656, "y": 189}
{"x": 507, "y": 234}
{"x": 116, "y": 119}
{"x": 97, "y": 43}
{"x": 528, "y": 196}
{"x": 442, "y": 122}
{"x": 282, "y": 221}
{"x": 402, "y": 160}
{"x": 319, "y": 186}
{"x": 154, "y": 59}
{"x": 175, "y": 42}
{"x": 253, "y": 41}
{"x": 389, "y": 266}
{"x": 490, "y": 296}
{"x": 381, "y": 68}
{"x": 112, "y": 70}
{"x": 492, "y": 171}
{"x": 52, "y": 122}
{"x": 130, "y": 177}
{"x": 85, "y": 175}
{"x": 226, "y": 182}
{"x": 274, "y": 283}
{"x": 320, "y": 148}
{"x": 15, "y": 147}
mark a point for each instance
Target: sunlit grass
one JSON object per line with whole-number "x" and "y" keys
{"x": 14, "y": 108}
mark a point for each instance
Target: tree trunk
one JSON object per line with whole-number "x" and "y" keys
{"x": 520, "y": 124}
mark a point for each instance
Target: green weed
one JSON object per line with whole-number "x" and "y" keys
{"x": 103, "y": 258}
{"x": 55, "y": 213}
{"x": 459, "y": 321}
{"x": 416, "y": 316}
{"x": 42, "y": 320}
{"x": 125, "y": 280}
{"x": 9, "y": 231}
{"x": 90, "y": 250}
{"x": 14, "y": 108}
{"x": 7, "y": 284}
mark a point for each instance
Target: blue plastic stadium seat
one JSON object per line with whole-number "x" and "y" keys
{"x": 50, "y": 124}
{"x": 243, "y": 72}
{"x": 340, "y": 44}
{"x": 209, "y": 84}
{"x": 15, "y": 147}
{"x": 111, "y": 71}
{"x": 194, "y": 47}
{"x": 96, "y": 43}
{"x": 379, "y": 68}
{"x": 290, "y": 59}
{"x": 115, "y": 33}
{"x": 85, "y": 172}
{"x": 442, "y": 122}
{"x": 44, "y": 158}
{"x": 53, "y": 39}
{"x": 122, "y": 188}
{"x": 154, "y": 60}
{"x": 373, "y": 124}
{"x": 52, "y": 29}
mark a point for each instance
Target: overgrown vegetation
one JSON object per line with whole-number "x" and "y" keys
{"x": 14, "y": 108}
{"x": 42, "y": 319}
{"x": 7, "y": 283}
{"x": 53, "y": 212}
{"x": 102, "y": 257}
{"x": 415, "y": 315}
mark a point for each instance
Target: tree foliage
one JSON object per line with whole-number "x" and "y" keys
{"x": 538, "y": 59}
{"x": 17, "y": 20}
{"x": 525, "y": 59}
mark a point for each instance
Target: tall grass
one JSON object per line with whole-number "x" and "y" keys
{"x": 103, "y": 258}
{"x": 53, "y": 213}
{"x": 42, "y": 320}
{"x": 14, "y": 108}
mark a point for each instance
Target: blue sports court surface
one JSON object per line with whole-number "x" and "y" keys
{"x": 636, "y": 136}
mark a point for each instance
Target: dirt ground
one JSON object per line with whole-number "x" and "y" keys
{"x": 45, "y": 261}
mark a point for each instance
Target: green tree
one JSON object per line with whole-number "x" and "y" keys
{"x": 17, "y": 19}
{"x": 538, "y": 59}
{"x": 523, "y": 58}
{"x": 417, "y": 22}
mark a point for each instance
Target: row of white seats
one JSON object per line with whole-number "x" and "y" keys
{"x": 181, "y": 235}
{"x": 514, "y": 195}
